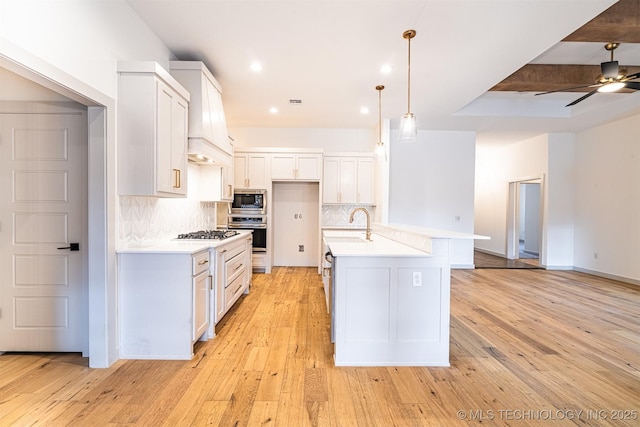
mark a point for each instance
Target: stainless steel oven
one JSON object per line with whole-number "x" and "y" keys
{"x": 255, "y": 223}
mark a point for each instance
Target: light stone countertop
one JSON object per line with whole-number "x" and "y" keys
{"x": 181, "y": 246}
{"x": 353, "y": 243}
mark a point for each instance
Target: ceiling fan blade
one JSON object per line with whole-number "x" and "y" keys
{"x": 632, "y": 76}
{"x": 582, "y": 98}
{"x": 632, "y": 85}
{"x": 564, "y": 89}
{"x": 609, "y": 69}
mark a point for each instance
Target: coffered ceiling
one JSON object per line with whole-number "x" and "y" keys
{"x": 475, "y": 64}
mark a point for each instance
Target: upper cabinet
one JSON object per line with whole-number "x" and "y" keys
{"x": 250, "y": 170}
{"x": 348, "y": 180}
{"x": 296, "y": 166}
{"x": 216, "y": 183}
{"x": 152, "y": 131}
{"x": 207, "y": 125}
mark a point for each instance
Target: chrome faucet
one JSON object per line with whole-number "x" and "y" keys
{"x": 366, "y": 212}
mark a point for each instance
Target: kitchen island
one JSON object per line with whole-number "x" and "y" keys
{"x": 172, "y": 293}
{"x": 390, "y": 301}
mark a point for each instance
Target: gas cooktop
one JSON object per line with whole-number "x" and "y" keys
{"x": 208, "y": 234}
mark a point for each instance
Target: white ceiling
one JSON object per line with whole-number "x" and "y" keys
{"x": 328, "y": 54}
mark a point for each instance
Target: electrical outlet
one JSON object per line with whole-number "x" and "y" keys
{"x": 595, "y": 255}
{"x": 417, "y": 278}
{"x": 300, "y": 248}
{"x": 457, "y": 217}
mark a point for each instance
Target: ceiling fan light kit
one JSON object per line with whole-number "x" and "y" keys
{"x": 612, "y": 79}
{"x": 408, "y": 131}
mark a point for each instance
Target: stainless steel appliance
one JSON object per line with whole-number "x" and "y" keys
{"x": 255, "y": 223}
{"x": 249, "y": 202}
{"x": 328, "y": 272}
{"x": 208, "y": 234}
{"x": 248, "y": 211}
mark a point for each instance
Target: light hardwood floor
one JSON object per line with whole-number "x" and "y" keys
{"x": 528, "y": 347}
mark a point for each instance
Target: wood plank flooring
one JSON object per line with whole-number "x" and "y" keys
{"x": 528, "y": 347}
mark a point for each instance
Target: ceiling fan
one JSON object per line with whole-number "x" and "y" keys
{"x": 612, "y": 79}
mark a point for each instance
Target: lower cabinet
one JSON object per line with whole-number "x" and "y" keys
{"x": 231, "y": 278}
{"x": 163, "y": 303}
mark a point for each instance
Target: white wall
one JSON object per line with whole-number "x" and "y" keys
{"x": 557, "y": 239}
{"x": 432, "y": 182}
{"x": 83, "y": 38}
{"x": 340, "y": 140}
{"x": 607, "y": 199}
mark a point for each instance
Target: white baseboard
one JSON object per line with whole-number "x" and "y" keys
{"x": 608, "y": 276}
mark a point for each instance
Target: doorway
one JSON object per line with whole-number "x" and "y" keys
{"x": 524, "y": 222}
{"x": 295, "y": 224}
{"x": 100, "y": 307}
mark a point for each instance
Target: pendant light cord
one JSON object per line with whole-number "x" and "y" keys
{"x": 409, "y": 79}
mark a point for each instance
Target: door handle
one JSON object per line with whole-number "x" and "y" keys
{"x": 72, "y": 247}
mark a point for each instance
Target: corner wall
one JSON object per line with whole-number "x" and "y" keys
{"x": 607, "y": 199}
{"x": 431, "y": 184}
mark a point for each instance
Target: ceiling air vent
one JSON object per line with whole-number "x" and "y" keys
{"x": 295, "y": 101}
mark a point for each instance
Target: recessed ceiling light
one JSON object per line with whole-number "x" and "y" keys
{"x": 385, "y": 69}
{"x": 256, "y": 67}
{"x": 364, "y": 110}
{"x": 273, "y": 110}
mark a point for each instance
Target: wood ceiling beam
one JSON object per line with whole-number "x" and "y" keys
{"x": 546, "y": 77}
{"x": 620, "y": 23}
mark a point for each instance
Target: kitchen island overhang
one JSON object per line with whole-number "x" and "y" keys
{"x": 391, "y": 301}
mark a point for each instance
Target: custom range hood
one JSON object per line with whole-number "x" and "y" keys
{"x": 209, "y": 142}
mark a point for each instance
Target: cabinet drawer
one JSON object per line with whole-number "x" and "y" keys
{"x": 233, "y": 291}
{"x": 200, "y": 262}
{"x": 235, "y": 267}
{"x": 233, "y": 250}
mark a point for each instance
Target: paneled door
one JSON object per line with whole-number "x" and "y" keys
{"x": 43, "y": 211}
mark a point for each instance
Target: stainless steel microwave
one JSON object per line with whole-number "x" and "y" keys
{"x": 249, "y": 202}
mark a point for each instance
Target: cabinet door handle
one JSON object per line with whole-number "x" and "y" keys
{"x": 176, "y": 178}
{"x": 211, "y": 283}
{"x": 238, "y": 267}
{"x": 206, "y": 261}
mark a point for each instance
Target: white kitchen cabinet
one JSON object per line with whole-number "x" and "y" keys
{"x": 216, "y": 183}
{"x": 296, "y": 166}
{"x": 163, "y": 303}
{"x": 207, "y": 124}
{"x": 250, "y": 170}
{"x": 152, "y": 132}
{"x": 248, "y": 259}
{"x": 230, "y": 277}
{"x": 348, "y": 180}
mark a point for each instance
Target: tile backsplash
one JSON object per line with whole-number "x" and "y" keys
{"x": 338, "y": 216}
{"x": 147, "y": 219}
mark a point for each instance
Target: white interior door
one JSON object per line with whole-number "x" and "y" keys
{"x": 43, "y": 193}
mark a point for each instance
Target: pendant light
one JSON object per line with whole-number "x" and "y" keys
{"x": 408, "y": 131}
{"x": 380, "y": 147}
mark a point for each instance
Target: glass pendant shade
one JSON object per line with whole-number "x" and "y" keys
{"x": 408, "y": 131}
